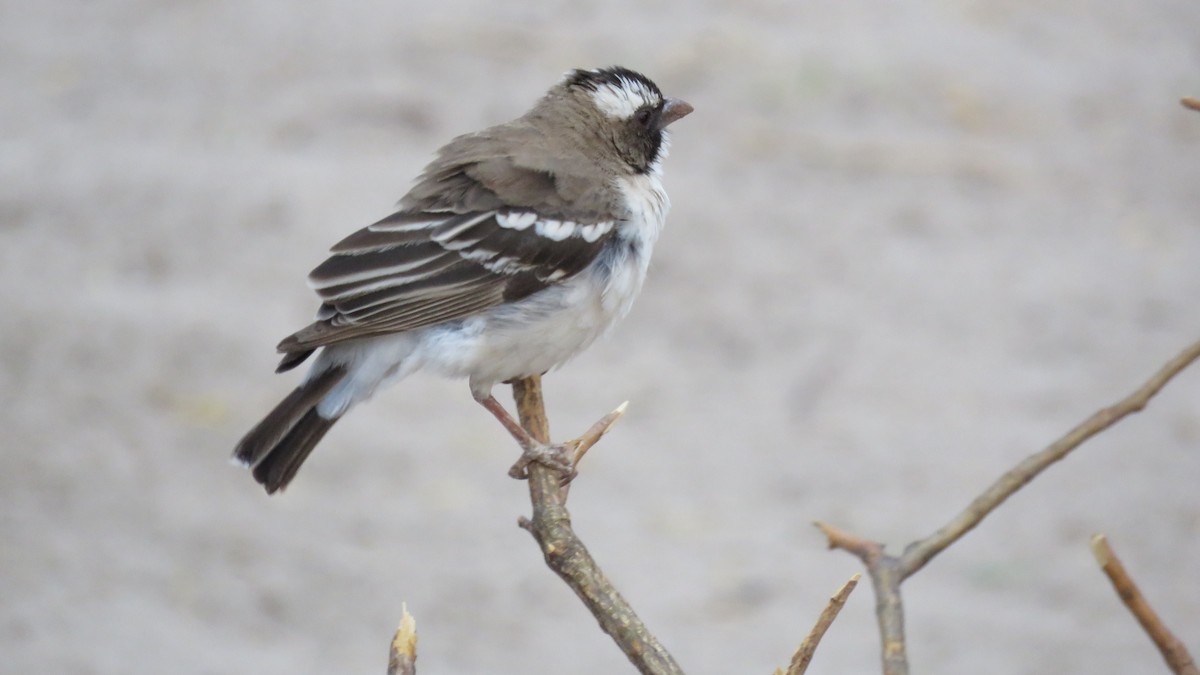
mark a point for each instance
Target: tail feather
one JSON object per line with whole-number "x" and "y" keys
{"x": 278, "y": 468}
{"x": 277, "y": 445}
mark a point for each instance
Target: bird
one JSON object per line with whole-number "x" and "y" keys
{"x": 516, "y": 248}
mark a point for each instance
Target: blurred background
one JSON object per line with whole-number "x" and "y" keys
{"x": 911, "y": 243}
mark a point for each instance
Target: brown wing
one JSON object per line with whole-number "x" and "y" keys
{"x": 483, "y": 225}
{"x": 412, "y": 270}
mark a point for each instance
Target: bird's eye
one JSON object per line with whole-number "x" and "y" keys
{"x": 643, "y": 116}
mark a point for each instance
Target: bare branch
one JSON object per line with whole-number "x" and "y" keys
{"x": 921, "y": 552}
{"x": 804, "y": 654}
{"x": 1174, "y": 652}
{"x": 566, "y": 554}
{"x": 887, "y": 572}
{"x": 885, "y": 580}
{"x": 402, "y": 659}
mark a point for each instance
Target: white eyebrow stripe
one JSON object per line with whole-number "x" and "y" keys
{"x": 624, "y": 100}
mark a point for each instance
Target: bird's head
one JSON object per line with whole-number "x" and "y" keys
{"x": 622, "y": 111}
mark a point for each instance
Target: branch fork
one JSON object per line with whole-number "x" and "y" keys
{"x": 887, "y": 572}
{"x": 565, "y": 553}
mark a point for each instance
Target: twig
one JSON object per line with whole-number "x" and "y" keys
{"x": 1189, "y": 102}
{"x": 1174, "y": 652}
{"x": 596, "y": 432}
{"x": 867, "y": 551}
{"x": 566, "y": 554}
{"x": 581, "y": 445}
{"x": 919, "y": 553}
{"x": 402, "y": 659}
{"x": 804, "y": 654}
{"x": 887, "y": 572}
{"x": 885, "y": 581}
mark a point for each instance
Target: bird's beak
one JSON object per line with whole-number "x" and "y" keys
{"x": 673, "y": 109}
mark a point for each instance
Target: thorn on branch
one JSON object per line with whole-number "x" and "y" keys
{"x": 865, "y": 549}
{"x": 597, "y": 431}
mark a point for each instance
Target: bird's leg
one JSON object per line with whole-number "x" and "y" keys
{"x": 532, "y": 450}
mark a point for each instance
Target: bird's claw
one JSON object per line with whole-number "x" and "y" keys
{"x": 559, "y": 457}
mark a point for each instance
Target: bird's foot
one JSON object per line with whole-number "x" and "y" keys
{"x": 559, "y": 457}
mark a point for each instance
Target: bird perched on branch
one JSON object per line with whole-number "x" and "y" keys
{"x": 518, "y": 246}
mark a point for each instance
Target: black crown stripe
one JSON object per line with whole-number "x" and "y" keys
{"x": 614, "y": 76}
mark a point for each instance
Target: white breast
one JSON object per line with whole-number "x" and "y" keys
{"x": 551, "y": 326}
{"x": 648, "y": 204}
{"x": 528, "y": 337}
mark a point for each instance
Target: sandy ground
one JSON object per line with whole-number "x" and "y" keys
{"x": 911, "y": 243}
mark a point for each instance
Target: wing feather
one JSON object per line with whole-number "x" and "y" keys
{"x": 412, "y": 270}
{"x": 467, "y": 238}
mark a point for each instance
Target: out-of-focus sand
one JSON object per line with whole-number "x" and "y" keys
{"x": 910, "y": 245}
